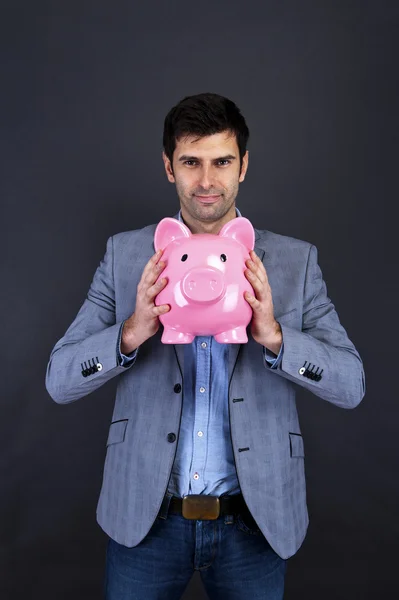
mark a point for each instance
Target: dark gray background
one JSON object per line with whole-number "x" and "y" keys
{"x": 85, "y": 87}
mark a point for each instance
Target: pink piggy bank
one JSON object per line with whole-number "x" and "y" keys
{"x": 206, "y": 281}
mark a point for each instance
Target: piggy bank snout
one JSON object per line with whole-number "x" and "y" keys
{"x": 203, "y": 284}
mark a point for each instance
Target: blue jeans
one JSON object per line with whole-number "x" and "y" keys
{"x": 233, "y": 557}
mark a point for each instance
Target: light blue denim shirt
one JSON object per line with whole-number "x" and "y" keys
{"x": 204, "y": 462}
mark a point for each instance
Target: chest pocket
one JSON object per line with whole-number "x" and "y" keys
{"x": 297, "y": 449}
{"x": 117, "y": 432}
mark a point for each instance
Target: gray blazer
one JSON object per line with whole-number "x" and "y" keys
{"x": 317, "y": 356}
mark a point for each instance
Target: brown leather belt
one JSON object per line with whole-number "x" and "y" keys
{"x": 202, "y": 507}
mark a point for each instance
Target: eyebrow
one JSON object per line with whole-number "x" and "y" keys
{"x": 187, "y": 157}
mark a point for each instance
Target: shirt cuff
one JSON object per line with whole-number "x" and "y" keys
{"x": 271, "y": 358}
{"x": 124, "y": 360}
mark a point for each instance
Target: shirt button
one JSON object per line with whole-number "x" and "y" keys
{"x": 202, "y": 390}
{"x": 177, "y": 388}
{"x": 200, "y": 434}
{"x": 171, "y": 437}
{"x": 203, "y": 345}
{"x": 196, "y": 476}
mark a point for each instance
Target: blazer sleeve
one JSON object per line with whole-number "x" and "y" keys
{"x": 321, "y": 357}
{"x": 88, "y": 355}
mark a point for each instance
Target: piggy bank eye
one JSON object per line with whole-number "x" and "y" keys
{"x": 184, "y": 257}
{"x": 223, "y": 257}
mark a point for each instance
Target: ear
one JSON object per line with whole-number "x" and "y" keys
{"x": 239, "y": 229}
{"x": 168, "y": 168}
{"x": 169, "y": 230}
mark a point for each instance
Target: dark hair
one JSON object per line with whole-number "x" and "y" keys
{"x": 202, "y": 115}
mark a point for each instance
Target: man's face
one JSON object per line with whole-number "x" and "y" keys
{"x": 206, "y": 172}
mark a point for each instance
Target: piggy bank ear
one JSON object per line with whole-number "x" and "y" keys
{"x": 239, "y": 229}
{"x": 169, "y": 230}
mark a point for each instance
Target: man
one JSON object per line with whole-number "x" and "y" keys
{"x": 204, "y": 467}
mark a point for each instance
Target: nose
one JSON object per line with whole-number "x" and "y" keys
{"x": 205, "y": 179}
{"x": 204, "y": 285}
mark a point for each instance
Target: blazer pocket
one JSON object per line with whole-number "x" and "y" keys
{"x": 117, "y": 432}
{"x": 297, "y": 449}
{"x": 291, "y": 314}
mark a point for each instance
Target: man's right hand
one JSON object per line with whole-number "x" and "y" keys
{"x": 144, "y": 322}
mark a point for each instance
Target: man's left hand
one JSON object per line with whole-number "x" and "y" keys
{"x": 264, "y": 328}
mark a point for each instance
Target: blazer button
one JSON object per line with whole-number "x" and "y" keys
{"x": 177, "y": 388}
{"x": 171, "y": 437}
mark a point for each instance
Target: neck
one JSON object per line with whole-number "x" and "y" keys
{"x": 196, "y": 226}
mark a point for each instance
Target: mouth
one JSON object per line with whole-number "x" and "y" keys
{"x": 208, "y": 199}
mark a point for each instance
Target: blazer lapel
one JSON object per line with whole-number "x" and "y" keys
{"x": 179, "y": 351}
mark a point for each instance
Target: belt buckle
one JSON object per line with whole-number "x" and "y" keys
{"x": 200, "y": 507}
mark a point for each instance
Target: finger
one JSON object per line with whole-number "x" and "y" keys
{"x": 154, "y": 273}
{"x": 258, "y": 286}
{"x": 254, "y": 256}
{"x": 256, "y": 268}
{"x": 152, "y": 262}
{"x": 252, "y": 301}
{"x": 154, "y": 259}
{"x": 156, "y": 288}
{"x": 160, "y": 310}
{"x": 258, "y": 262}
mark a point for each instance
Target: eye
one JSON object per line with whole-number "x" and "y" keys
{"x": 184, "y": 257}
{"x": 223, "y": 257}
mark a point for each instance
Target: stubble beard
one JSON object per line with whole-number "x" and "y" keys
{"x": 213, "y": 212}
